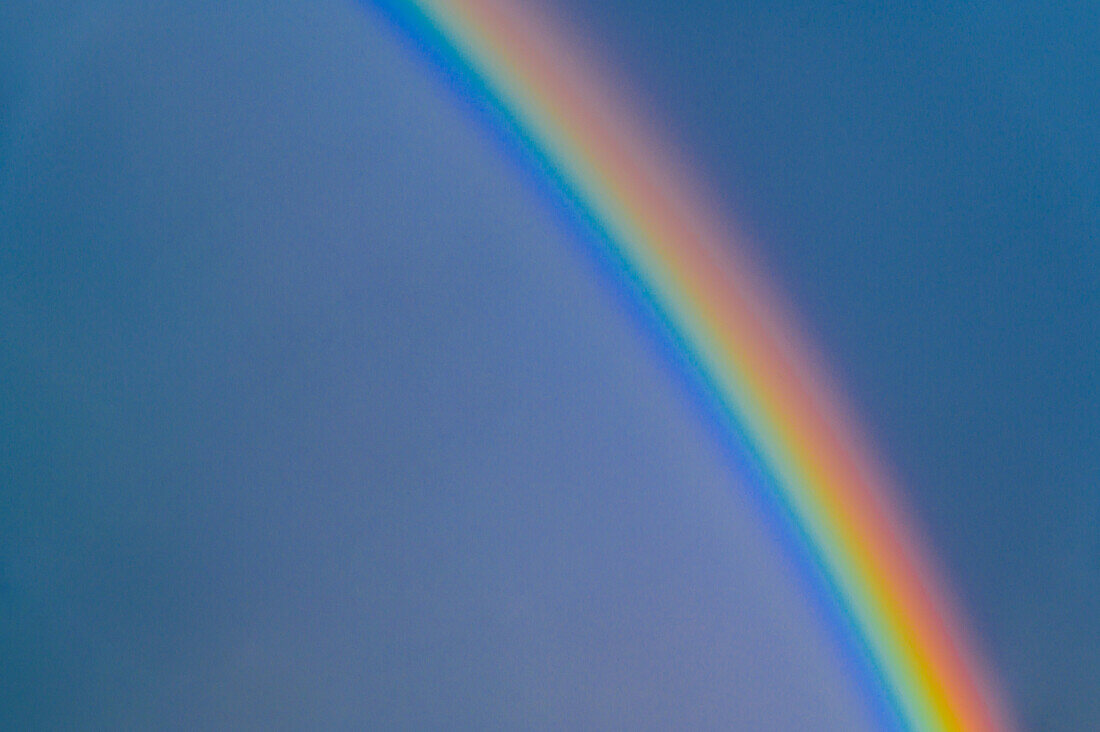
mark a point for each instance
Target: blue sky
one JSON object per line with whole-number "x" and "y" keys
{"x": 923, "y": 180}
{"x": 316, "y": 410}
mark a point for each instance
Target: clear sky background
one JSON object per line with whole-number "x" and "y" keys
{"x": 314, "y": 410}
{"x": 923, "y": 179}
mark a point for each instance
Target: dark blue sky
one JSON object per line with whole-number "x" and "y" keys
{"x": 923, "y": 179}
{"x": 314, "y": 410}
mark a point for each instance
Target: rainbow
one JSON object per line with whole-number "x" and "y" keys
{"x": 738, "y": 346}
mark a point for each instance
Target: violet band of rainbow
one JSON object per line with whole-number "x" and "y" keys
{"x": 684, "y": 262}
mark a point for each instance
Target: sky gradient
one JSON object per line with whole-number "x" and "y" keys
{"x": 316, "y": 415}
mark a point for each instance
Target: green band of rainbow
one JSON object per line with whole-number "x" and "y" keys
{"x": 685, "y": 266}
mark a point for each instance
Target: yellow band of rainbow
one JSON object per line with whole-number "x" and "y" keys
{"x": 687, "y": 266}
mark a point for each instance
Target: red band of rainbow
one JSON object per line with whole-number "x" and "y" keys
{"x": 685, "y": 265}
